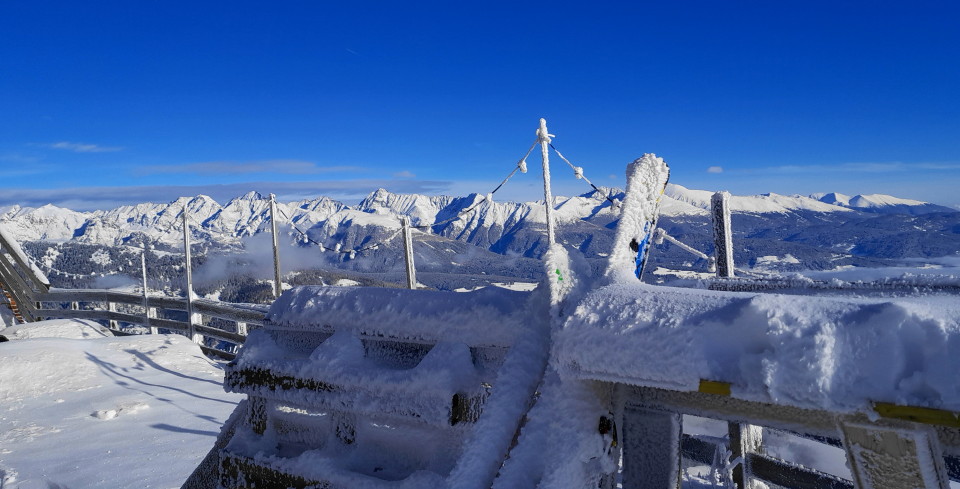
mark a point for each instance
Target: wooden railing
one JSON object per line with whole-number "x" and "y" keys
{"x": 897, "y": 447}
{"x": 217, "y": 327}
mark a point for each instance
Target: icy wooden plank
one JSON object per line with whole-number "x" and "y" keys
{"x": 894, "y": 456}
{"x": 651, "y": 449}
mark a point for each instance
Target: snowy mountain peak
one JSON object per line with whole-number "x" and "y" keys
{"x": 880, "y": 203}
{"x": 834, "y": 198}
{"x": 251, "y": 195}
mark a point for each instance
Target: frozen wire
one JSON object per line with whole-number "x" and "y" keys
{"x": 578, "y": 171}
{"x": 521, "y": 167}
{"x": 352, "y": 253}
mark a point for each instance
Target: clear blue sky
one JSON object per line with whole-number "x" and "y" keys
{"x": 116, "y": 101}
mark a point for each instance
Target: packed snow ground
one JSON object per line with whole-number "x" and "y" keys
{"x": 105, "y": 412}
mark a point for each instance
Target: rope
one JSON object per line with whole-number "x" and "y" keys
{"x": 578, "y": 172}
{"x": 336, "y": 249}
{"x": 521, "y": 167}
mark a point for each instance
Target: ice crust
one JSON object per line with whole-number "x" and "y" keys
{"x": 818, "y": 352}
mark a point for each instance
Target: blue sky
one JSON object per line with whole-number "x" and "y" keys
{"x": 103, "y": 103}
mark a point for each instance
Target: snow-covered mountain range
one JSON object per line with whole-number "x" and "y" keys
{"x": 248, "y": 214}
{"x": 818, "y": 231}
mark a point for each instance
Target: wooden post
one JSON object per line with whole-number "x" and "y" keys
{"x": 277, "y": 285}
{"x": 722, "y": 235}
{"x": 191, "y": 332}
{"x": 894, "y": 456}
{"x": 547, "y": 194}
{"x": 651, "y": 449}
{"x": 151, "y": 314}
{"x": 408, "y": 252}
{"x": 745, "y": 439}
{"x": 112, "y": 324}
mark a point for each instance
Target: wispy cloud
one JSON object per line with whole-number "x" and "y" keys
{"x": 93, "y": 198}
{"x": 285, "y": 167}
{"x": 715, "y": 169}
{"x": 886, "y": 167}
{"x": 404, "y": 174}
{"x": 83, "y": 147}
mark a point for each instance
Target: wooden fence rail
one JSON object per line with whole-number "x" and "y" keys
{"x": 36, "y": 300}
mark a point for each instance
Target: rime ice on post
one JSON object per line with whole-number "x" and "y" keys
{"x": 646, "y": 180}
{"x": 277, "y": 285}
{"x": 192, "y": 318}
{"x": 544, "y": 136}
{"x": 722, "y": 235}
{"x": 408, "y": 252}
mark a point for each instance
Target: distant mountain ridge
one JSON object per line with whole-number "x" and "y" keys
{"x": 818, "y": 231}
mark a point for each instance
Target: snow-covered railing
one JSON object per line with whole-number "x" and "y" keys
{"x": 873, "y": 377}
{"x": 219, "y": 328}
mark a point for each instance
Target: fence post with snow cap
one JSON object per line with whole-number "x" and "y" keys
{"x": 722, "y": 234}
{"x": 408, "y": 252}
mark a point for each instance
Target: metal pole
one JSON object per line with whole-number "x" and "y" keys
{"x": 186, "y": 251}
{"x": 547, "y": 194}
{"x": 408, "y": 252}
{"x": 276, "y": 246}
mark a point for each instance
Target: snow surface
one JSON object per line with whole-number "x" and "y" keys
{"x": 56, "y": 328}
{"x": 482, "y": 317}
{"x": 808, "y": 351}
{"x": 109, "y": 412}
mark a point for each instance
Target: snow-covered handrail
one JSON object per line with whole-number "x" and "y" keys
{"x": 28, "y": 268}
{"x": 34, "y": 303}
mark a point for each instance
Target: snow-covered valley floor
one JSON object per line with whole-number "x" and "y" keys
{"x": 107, "y": 412}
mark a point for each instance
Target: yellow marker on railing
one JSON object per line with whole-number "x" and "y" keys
{"x": 714, "y": 387}
{"x": 923, "y": 415}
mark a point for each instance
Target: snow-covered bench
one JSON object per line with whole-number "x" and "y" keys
{"x": 367, "y": 387}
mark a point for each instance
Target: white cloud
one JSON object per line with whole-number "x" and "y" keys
{"x": 888, "y": 167}
{"x": 715, "y": 169}
{"x": 84, "y": 147}
{"x": 404, "y": 174}
{"x": 286, "y": 167}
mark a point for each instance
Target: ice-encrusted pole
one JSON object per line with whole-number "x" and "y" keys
{"x": 722, "y": 235}
{"x": 276, "y": 246}
{"x": 544, "y": 138}
{"x": 408, "y": 252}
{"x": 191, "y": 332}
{"x": 646, "y": 180}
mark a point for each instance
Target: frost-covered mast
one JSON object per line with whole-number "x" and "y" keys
{"x": 186, "y": 252}
{"x": 276, "y": 246}
{"x": 544, "y": 138}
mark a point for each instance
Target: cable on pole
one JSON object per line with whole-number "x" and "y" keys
{"x": 351, "y": 253}
{"x": 578, "y": 172}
